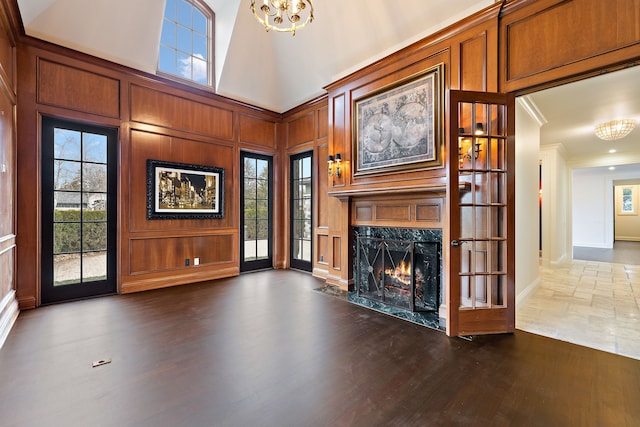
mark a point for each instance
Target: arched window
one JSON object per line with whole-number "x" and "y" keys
{"x": 186, "y": 44}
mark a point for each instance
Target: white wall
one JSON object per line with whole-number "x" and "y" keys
{"x": 554, "y": 204}
{"x": 627, "y": 225}
{"x": 527, "y": 218}
{"x": 592, "y": 204}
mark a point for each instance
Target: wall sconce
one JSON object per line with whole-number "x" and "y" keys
{"x": 337, "y": 159}
{"x": 471, "y": 151}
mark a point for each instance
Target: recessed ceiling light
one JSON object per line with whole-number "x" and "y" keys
{"x": 612, "y": 168}
{"x": 612, "y": 151}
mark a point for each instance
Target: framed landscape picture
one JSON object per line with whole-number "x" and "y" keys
{"x": 184, "y": 191}
{"x": 626, "y": 199}
{"x": 399, "y": 127}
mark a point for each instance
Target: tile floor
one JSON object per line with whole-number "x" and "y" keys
{"x": 594, "y": 304}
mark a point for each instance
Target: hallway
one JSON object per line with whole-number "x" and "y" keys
{"x": 590, "y": 303}
{"x": 621, "y": 253}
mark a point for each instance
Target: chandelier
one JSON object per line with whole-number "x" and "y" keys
{"x": 615, "y": 129}
{"x": 283, "y": 15}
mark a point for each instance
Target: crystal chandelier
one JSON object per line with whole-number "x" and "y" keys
{"x": 283, "y": 15}
{"x": 615, "y": 129}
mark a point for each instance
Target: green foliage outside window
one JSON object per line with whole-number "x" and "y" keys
{"x": 68, "y": 236}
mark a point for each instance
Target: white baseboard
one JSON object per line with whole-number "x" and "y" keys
{"x": 526, "y": 292}
{"x": 559, "y": 261}
{"x": 593, "y": 245}
{"x": 8, "y": 315}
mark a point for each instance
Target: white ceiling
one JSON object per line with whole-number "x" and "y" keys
{"x": 271, "y": 70}
{"x": 572, "y": 111}
{"x": 278, "y": 72}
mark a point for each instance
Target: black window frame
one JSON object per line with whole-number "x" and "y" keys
{"x": 48, "y": 292}
{"x": 296, "y": 263}
{"x": 265, "y": 263}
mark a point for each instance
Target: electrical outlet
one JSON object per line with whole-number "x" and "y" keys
{"x": 196, "y": 261}
{"x": 186, "y": 262}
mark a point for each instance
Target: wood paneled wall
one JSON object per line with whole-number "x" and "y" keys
{"x": 404, "y": 211}
{"x": 515, "y": 46}
{"x": 468, "y": 54}
{"x": 305, "y": 129}
{"x": 546, "y": 41}
{"x": 8, "y": 99}
{"x": 156, "y": 119}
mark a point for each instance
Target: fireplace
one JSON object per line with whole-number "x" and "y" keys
{"x": 397, "y": 271}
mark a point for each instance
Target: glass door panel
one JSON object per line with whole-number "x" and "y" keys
{"x": 79, "y": 216}
{"x": 301, "y": 211}
{"x": 481, "y": 286}
{"x": 255, "y": 222}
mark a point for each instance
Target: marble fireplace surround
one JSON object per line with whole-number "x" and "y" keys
{"x": 426, "y": 316}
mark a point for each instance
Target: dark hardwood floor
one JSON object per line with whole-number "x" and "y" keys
{"x": 264, "y": 349}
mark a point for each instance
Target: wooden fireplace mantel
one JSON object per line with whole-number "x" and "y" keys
{"x": 394, "y": 191}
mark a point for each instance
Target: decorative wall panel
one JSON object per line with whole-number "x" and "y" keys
{"x": 337, "y": 253}
{"x": 301, "y": 130}
{"x": 322, "y": 249}
{"x": 429, "y": 212}
{"x": 80, "y": 90}
{"x": 7, "y": 59}
{"x": 150, "y": 255}
{"x": 255, "y": 130}
{"x": 154, "y": 107}
{"x": 549, "y": 40}
{"x": 146, "y": 145}
{"x": 473, "y": 63}
{"x": 393, "y": 212}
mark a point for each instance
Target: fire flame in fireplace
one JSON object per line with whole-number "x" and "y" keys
{"x": 401, "y": 273}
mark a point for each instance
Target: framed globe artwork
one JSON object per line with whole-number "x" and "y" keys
{"x": 399, "y": 127}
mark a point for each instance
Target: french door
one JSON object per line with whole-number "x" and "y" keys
{"x": 481, "y": 283}
{"x": 301, "y": 211}
{"x": 256, "y": 219}
{"x": 79, "y": 179}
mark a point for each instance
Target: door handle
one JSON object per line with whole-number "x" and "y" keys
{"x": 455, "y": 243}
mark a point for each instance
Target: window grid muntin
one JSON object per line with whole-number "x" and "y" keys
{"x": 80, "y": 222}
{"x": 175, "y": 21}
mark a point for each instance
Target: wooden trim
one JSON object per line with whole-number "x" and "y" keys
{"x": 8, "y": 314}
{"x": 433, "y": 188}
{"x": 175, "y": 280}
{"x": 318, "y": 102}
{"x": 13, "y": 19}
{"x": 7, "y": 238}
{"x": 10, "y": 22}
{"x": 26, "y": 303}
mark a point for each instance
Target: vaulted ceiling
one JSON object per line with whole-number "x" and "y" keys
{"x": 271, "y": 70}
{"x": 278, "y": 72}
